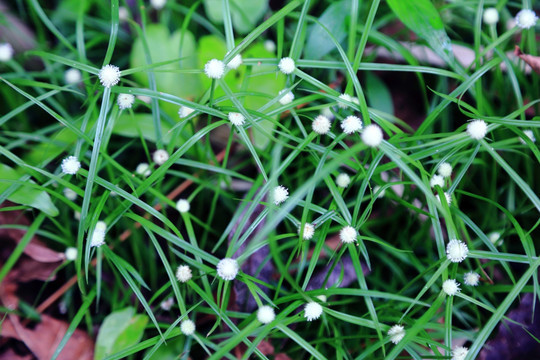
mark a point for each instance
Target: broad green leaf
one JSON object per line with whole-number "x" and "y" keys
{"x": 120, "y": 330}
{"x": 378, "y": 95}
{"x": 25, "y": 194}
{"x": 170, "y": 350}
{"x": 245, "y": 13}
{"x": 57, "y": 144}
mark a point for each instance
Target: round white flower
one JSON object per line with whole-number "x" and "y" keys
{"x": 227, "y": 268}
{"x": 348, "y": 234}
{"x": 77, "y": 216}
{"x": 109, "y": 75}
{"x": 101, "y": 226}
{"x": 447, "y": 196}
{"x": 167, "y": 303}
{"x": 445, "y": 170}
{"x": 280, "y": 194}
{"x": 72, "y": 76}
{"x": 372, "y": 135}
{"x": 322, "y": 298}
{"x": 529, "y": 134}
{"x": 491, "y": 16}
{"x": 343, "y": 180}
{"x": 287, "y": 98}
{"x": 144, "y": 99}
{"x": 266, "y": 314}
{"x": 98, "y": 238}
{"x": 70, "y": 194}
{"x": 526, "y": 19}
{"x": 158, "y": 4}
{"x": 456, "y": 250}
{"x": 235, "y": 62}
{"x": 70, "y": 165}
{"x": 328, "y": 113}
{"x": 183, "y": 206}
{"x": 160, "y": 156}
{"x": 477, "y": 129}
{"x": 309, "y": 231}
{"x": 125, "y": 101}
{"x": 436, "y": 180}
{"x": 143, "y": 169}
{"x": 183, "y": 273}
{"x": 185, "y": 111}
{"x": 321, "y": 125}
{"x": 376, "y": 190}
{"x": 286, "y": 65}
{"x": 71, "y": 253}
{"x": 396, "y": 333}
{"x": 312, "y": 311}
{"x": 451, "y": 287}
{"x": 471, "y": 278}
{"x": 351, "y": 124}
{"x": 123, "y": 13}
{"x": 187, "y": 327}
{"x": 6, "y": 52}
{"x": 214, "y": 69}
{"x": 459, "y": 353}
{"x": 494, "y": 237}
{"x": 270, "y": 46}
{"x": 345, "y": 97}
{"x": 237, "y": 119}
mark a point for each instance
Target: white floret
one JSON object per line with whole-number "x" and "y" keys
{"x": 109, "y": 75}
{"x": 529, "y": 134}
{"x": 187, "y": 327}
{"x": 235, "y": 62}
{"x": 280, "y": 194}
{"x": 346, "y": 98}
{"x": 321, "y": 125}
{"x": 72, "y": 76}
{"x": 436, "y": 180}
{"x": 125, "y": 101}
{"x": 396, "y": 333}
{"x": 456, "y": 251}
{"x": 214, "y": 69}
{"x": 71, "y": 253}
{"x": 459, "y": 353}
{"x": 526, "y": 19}
{"x": 227, "y": 269}
{"x": 143, "y": 169}
{"x": 447, "y": 196}
{"x": 477, "y": 129}
{"x": 70, "y": 194}
{"x": 348, "y": 234}
{"x": 491, "y": 16}
{"x": 266, "y": 314}
{"x": 6, "y": 52}
{"x": 183, "y": 273}
{"x": 286, "y": 65}
{"x": 98, "y": 238}
{"x": 451, "y": 287}
{"x": 183, "y": 206}
{"x": 445, "y": 170}
{"x": 158, "y": 4}
{"x": 372, "y": 135}
{"x": 471, "y": 278}
{"x": 309, "y": 231}
{"x": 237, "y": 119}
{"x": 287, "y": 98}
{"x": 313, "y": 311}
{"x": 185, "y": 111}
{"x": 160, "y": 156}
{"x": 70, "y": 165}
{"x": 343, "y": 180}
{"x": 351, "y": 124}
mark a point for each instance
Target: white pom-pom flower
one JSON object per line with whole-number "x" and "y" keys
{"x": 494, "y": 237}
{"x": 309, "y": 231}
{"x": 98, "y": 238}
{"x": 237, "y": 119}
{"x": 125, "y": 101}
{"x": 396, "y": 333}
{"x": 143, "y": 169}
{"x": 287, "y": 98}
{"x": 187, "y": 327}
{"x": 183, "y": 273}
{"x": 70, "y": 194}
{"x": 286, "y": 65}
{"x": 351, "y": 124}
{"x": 70, "y": 165}
{"x": 71, "y": 253}
{"x": 372, "y": 135}
{"x": 477, "y": 129}
{"x": 445, "y": 170}
{"x": 491, "y": 16}
{"x": 269, "y": 46}
{"x": 456, "y": 250}
{"x": 266, "y": 314}
{"x": 450, "y": 287}
{"x": 183, "y": 206}
{"x": 328, "y": 113}
{"x": 227, "y": 269}
{"x": 167, "y": 303}
{"x": 529, "y": 134}
{"x": 471, "y": 278}
{"x": 185, "y": 111}
{"x": 346, "y": 98}
{"x": 160, "y": 156}
{"x": 313, "y": 311}
{"x": 436, "y": 180}
{"x": 123, "y": 13}
{"x": 526, "y": 19}
{"x": 348, "y": 234}
{"x": 214, "y": 69}
{"x": 321, "y": 125}
{"x": 6, "y": 52}
{"x": 235, "y": 62}
{"x": 101, "y": 226}
{"x": 72, "y": 76}
{"x": 109, "y": 75}
{"x": 343, "y": 180}
{"x": 459, "y": 353}
{"x": 447, "y": 196}
{"x": 280, "y": 194}
{"x": 158, "y": 4}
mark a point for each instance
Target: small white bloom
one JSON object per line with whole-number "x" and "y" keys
{"x": 348, "y": 234}
{"x": 158, "y": 4}
{"x": 70, "y": 165}
{"x": 286, "y": 65}
{"x": 125, "y": 101}
{"x": 266, "y": 314}
{"x": 270, "y": 46}
{"x": 447, "y": 196}
{"x": 160, "y": 156}
{"x": 214, "y": 69}
{"x": 109, "y": 75}
{"x": 98, "y": 238}
{"x": 70, "y": 194}
{"x": 445, "y": 170}
{"x": 343, "y": 180}
{"x": 376, "y": 190}
{"x": 167, "y": 303}
{"x": 71, "y": 253}
{"x": 459, "y": 353}
{"x": 345, "y": 97}
{"x": 451, "y": 287}
{"x": 143, "y": 169}
{"x": 6, "y": 52}
{"x": 471, "y": 278}
{"x": 77, "y": 216}
{"x": 396, "y": 333}
{"x": 456, "y": 250}
{"x": 227, "y": 268}
{"x": 494, "y": 237}
{"x": 280, "y": 194}
{"x": 351, "y": 124}
{"x": 328, "y": 113}
{"x": 321, "y": 125}
{"x": 436, "y": 180}
{"x": 235, "y": 62}
{"x": 72, "y": 76}
{"x": 101, "y": 226}
{"x": 321, "y": 297}
{"x": 123, "y": 13}
{"x": 491, "y": 16}
{"x": 477, "y": 129}
{"x": 187, "y": 327}
{"x": 309, "y": 231}
{"x": 287, "y": 98}
{"x": 529, "y": 134}
{"x": 183, "y": 206}
{"x": 185, "y": 111}
{"x": 183, "y": 273}
{"x": 144, "y": 99}
{"x": 312, "y": 311}
{"x": 237, "y": 119}
{"x": 526, "y": 19}
{"x": 372, "y": 135}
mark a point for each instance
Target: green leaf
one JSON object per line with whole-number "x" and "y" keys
{"x": 120, "y": 330}
{"x": 245, "y": 13}
{"x": 378, "y": 95}
{"x": 25, "y": 194}
{"x": 333, "y": 18}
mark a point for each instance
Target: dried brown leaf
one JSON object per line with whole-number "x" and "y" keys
{"x": 532, "y": 61}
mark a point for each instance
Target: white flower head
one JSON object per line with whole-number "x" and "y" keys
{"x": 71, "y": 253}
{"x": 214, "y": 69}
{"x": 286, "y": 65}
{"x": 70, "y": 165}
{"x": 459, "y": 353}
{"x": 343, "y": 180}
{"x": 144, "y": 99}
{"x": 269, "y": 46}
{"x": 456, "y": 250}
{"x": 237, "y": 119}
{"x": 185, "y": 111}
{"x": 322, "y": 298}
{"x": 287, "y": 98}
{"x": 348, "y": 234}
{"x": 346, "y": 98}
{"x": 72, "y": 76}
{"x": 445, "y": 170}
{"x": 227, "y": 268}
{"x": 125, "y": 101}
{"x": 451, "y": 287}
{"x": 309, "y": 231}
{"x": 471, "y": 278}
{"x": 235, "y": 62}
{"x": 6, "y": 52}
{"x": 372, "y": 135}
{"x": 187, "y": 327}
{"x": 183, "y": 206}
{"x": 396, "y": 333}
{"x": 123, "y": 13}
{"x": 313, "y": 311}
{"x": 526, "y": 19}
{"x": 529, "y": 134}
{"x": 494, "y": 237}
{"x": 491, "y": 16}
{"x": 109, "y": 75}
{"x": 143, "y": 169}
{"x": 98, "y": 238}
{"x": 280, "y": 194}
{"x": 183, "y": 273}
{"x": 101, "y": 226}
{"x": 447, "y": 196}
{"x": 477, "y": 129}
{"x": 351, "y": 124}
{"x": 321, "y": 125}
{"x": 158, "y": 4}
{"x": 376, "y": 189}
{"x": 436, "y": 180}
{"x": 328, "y": 113}
{"x": 266, "y": 314}
{"x": 160, "y": 156}
{"x": 70, "y": 194}
{"x": 167, "y": 303}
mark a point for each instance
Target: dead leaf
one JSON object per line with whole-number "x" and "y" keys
{"x": 11, "y": 355}
{"x": 532, "y": 61}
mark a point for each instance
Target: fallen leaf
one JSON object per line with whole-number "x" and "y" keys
{"x": 532, "y": 61}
